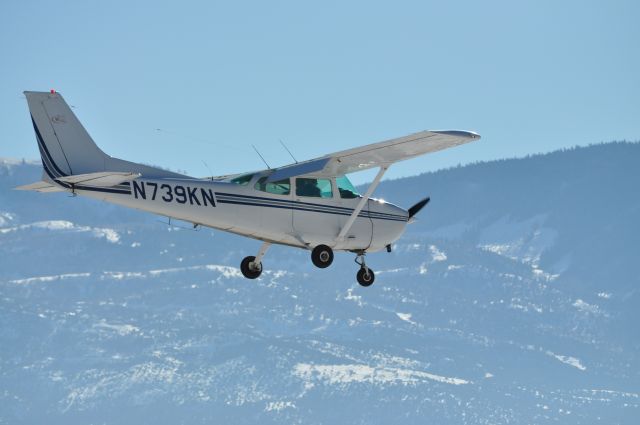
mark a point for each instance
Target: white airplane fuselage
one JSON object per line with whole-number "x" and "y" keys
{"x": 309, "y": 204}
{"x": 285, "y": 219}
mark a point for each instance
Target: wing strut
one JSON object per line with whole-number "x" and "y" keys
{"x": 363, "y": 200}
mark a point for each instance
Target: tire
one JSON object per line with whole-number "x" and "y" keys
{"x": 365, "y": 278}
{"x": 247, "y": 271}
{"x": 322, "y": 256}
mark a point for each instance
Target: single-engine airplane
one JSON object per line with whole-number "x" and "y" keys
{"x": 310, "y": 204}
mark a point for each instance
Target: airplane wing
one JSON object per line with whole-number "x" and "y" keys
{"x": 377, "y": 154}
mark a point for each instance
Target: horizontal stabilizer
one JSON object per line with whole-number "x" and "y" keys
{"x": 101, "y": 179}
{"x": 41, "y": 186}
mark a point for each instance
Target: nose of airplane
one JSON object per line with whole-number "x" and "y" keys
{"x": 389, "y": 208}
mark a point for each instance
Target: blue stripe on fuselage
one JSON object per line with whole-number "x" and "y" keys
{"x": 310, "y": 204}
{"x": 228, "y": 198}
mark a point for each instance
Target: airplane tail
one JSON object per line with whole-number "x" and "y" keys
{"x": 67, "y": 149}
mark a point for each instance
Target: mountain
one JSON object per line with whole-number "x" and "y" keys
{"x": 513, "y": 299}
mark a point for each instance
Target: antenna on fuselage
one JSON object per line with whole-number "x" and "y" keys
{"x": 210, "y": 172}
{"x": 287, "y": 149}
{"x": 261, "y": 157}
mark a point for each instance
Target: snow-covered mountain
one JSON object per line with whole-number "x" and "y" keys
{"x": 514, "y": 299}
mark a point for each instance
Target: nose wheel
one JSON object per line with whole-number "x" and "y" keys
{"x": 365, "y": 275}
{"x": 322, "y": 256}
{"x": 249, "y": 268}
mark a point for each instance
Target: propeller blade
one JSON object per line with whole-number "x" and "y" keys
{"x": 417, "y": 207}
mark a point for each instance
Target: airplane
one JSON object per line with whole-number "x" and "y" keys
{"x": 310, "y": 204}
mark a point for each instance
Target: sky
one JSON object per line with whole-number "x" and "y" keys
{"x": 192, "y": 85}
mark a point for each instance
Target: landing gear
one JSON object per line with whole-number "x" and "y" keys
{"x": 251, "y": 267}
{"x": 322, "y": 256}
{"x": 365, "y": 275}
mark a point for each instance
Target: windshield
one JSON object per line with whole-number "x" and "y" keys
{"x": 346, "y": 189}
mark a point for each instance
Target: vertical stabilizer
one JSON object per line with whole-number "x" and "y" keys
{"x": 65, "y": 146}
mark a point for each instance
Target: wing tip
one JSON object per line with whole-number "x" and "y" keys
{"x": 469, "y": 135}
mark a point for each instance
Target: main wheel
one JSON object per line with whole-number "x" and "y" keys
{"x": 365, "y": 277}
{"x": 322, "y": 256}
{"x": 248, "y": 269}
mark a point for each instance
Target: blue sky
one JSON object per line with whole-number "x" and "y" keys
{"x": 323, "y": 76}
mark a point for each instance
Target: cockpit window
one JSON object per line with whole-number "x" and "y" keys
{"x": 317, "y": 188}
{"x": 280, "y": 187}
{"x": 346, "y": 189}
{"x": 242, "y": 180}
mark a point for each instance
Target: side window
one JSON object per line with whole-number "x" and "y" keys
{"x": 317, "y": 188}
{"x": 242, "y": 180}
{"x": 346, "y": 189}
{"x": 280, "y": 187}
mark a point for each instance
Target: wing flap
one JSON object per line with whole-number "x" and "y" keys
{"x": 101, "y": 179}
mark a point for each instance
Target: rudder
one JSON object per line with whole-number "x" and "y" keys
{"x": 65, "y": 146}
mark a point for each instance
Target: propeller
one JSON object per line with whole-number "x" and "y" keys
{"x": 417, "y": 207}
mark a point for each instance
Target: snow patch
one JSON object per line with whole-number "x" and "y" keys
{"x": 229, "y": 272}
{"x": 109, "y": 234}
{"x": 586, "y": 307}
{"x": 571, "y": 361}
{"x": 351, "y": 297}
{"x": 544, "y": 275}
{"x": 276, "y": 406}
{"x": 62, "y": 225}
{"x": 226, "y": 271}
{"x": 123, "y": 330}
{"x": 436, "y": 254}
{"x": 518, "y": 240}
{"x": 497, "y": 249}
{"x": 518, "y": 304}
{"x": 406, "y": 317}
{"x": 359, "y": 373}
{"x": 122, "y": 275}
{"x": 6, "y": 217}
{"x": 52, "y": 278}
